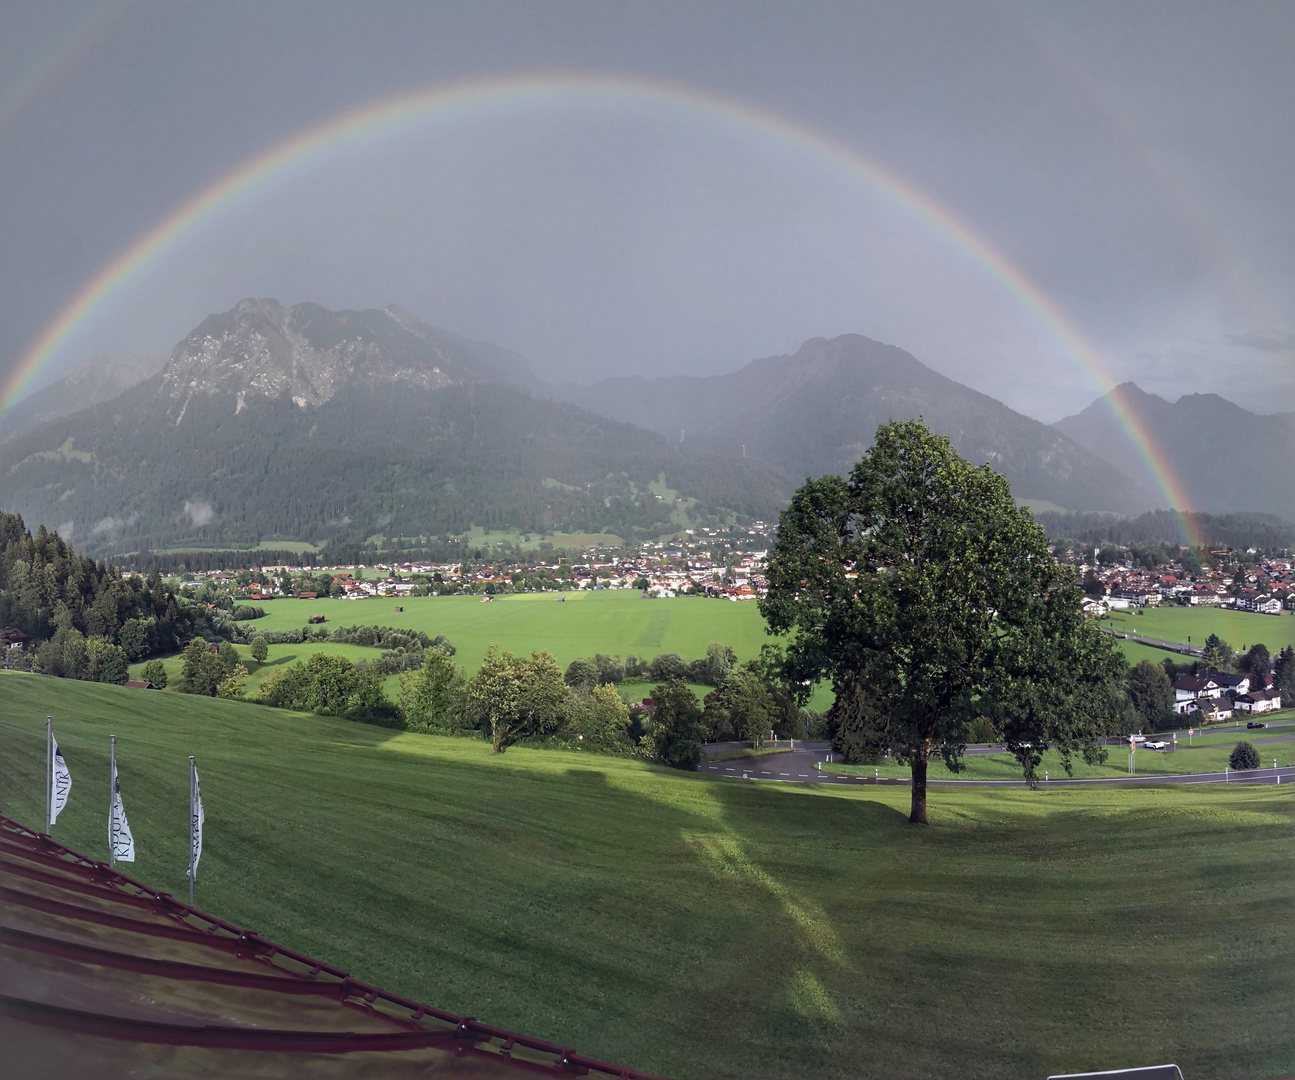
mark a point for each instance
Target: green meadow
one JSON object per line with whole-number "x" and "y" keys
{"x": 623, "y": 622}
{"x": 708, "y": 928}
{"x": 584, "y": 623}
{"x": 1237, "y": 628}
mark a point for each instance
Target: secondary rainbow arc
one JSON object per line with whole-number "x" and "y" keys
{"x": 514, "y": 90}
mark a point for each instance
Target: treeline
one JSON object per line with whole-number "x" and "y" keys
{"x": 1241, "y": 531}
{"x": 512, "y": 699}
{"x": 197, "y": 562}
{"x": 709, "y": 670}
{"x": 72, "y": 609}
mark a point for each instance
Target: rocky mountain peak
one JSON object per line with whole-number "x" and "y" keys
{"x": 306, "y": 352}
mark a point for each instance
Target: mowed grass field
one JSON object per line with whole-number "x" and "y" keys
{"x": 1237, "y": 628}
{"x": 613, "y": 622}
{"x": 708, "y": 928}
{"x": 585, "y": 623}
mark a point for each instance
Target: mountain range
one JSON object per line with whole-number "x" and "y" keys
{"x": 299, "y": 423}
{"x": 816, "y": 412}
{"x": 270, "y": 422}
{"x": 1221, "y": 458}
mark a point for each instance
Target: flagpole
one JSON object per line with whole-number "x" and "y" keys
{"x": 49, "y": 770}
{"x": 112, "y": 798}
{"x": 193, "y": 810}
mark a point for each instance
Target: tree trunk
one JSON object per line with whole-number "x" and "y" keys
{"x": 917, "y": 815}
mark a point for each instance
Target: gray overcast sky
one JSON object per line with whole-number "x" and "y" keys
{"x": 1132, "y": 162}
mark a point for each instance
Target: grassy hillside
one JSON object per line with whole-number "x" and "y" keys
{"x": 709, "y": 928}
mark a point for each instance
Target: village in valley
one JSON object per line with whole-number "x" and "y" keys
{"x": 1248, "y": 582}
{"x": 1241, "y": 582}
{"x": 694, "y": 563}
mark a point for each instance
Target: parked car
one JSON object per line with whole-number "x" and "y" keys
{"x": 1256, "y": 723}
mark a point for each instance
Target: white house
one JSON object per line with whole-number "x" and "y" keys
{"x": 1261, "y": 701}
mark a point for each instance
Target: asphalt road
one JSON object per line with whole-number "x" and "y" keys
{"x": 799, "y": 766}
{"x": 1172, "y": 646}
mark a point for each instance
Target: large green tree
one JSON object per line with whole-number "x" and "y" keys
{"x": 434, "y": 695}
{"x": 1218, "y": 655}
{"x": 518, "y": 697}
{"x": 928, "y": 598}
{"x": 1284, "y": 675}
{"x": 741, "y": 706}
{"x": 674, "y": 726}
{"x": 1151, "y": 694}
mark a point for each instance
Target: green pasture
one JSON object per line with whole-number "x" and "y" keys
{"x": 1135, "y": 651}
{"x": 277, "y": 656}
{"x": 708, "y": 928}
{"x": 613, "y": 622}
{"x": 1174, "y": 623}
{"x": 616, "y": 622}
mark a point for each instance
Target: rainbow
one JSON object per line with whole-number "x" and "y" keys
{"x": 558, "y": 88}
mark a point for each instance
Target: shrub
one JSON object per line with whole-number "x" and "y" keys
{"x": 667, "y": 666}
{"x": 155, "y": 672}
{"x": 1244, "y": 756}
{"x": 582, "y": 673}
{"x": 600, "y": 717}
{"x": 981, "y": 730}
{"x": 243, "y": 612}
{"x": 434, "y": 697}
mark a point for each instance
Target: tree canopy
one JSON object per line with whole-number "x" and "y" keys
{"x": 1151, "y": 694}
{"x": 929, "y": 599}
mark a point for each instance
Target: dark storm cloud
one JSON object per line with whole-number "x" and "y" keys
{"x": 1132, "y": 164}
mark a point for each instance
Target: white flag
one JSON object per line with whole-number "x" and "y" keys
{"x": 62, "y": 785}
{"x": 197, "y": 817}
{"x": 119, "y": 838}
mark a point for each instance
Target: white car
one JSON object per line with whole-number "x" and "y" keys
{"x": 1158, "y": 744}
{"x": 1137, "y": 738}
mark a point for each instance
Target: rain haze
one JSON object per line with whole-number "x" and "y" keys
{"x": 1036, "y": 200}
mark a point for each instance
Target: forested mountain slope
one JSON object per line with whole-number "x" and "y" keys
{"x": 309, "y": 424}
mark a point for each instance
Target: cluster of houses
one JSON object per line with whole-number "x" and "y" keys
{"x": 1220, "y": 696}
{"x": 1267, "y": 588}
{"x": 684, "y": 565}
